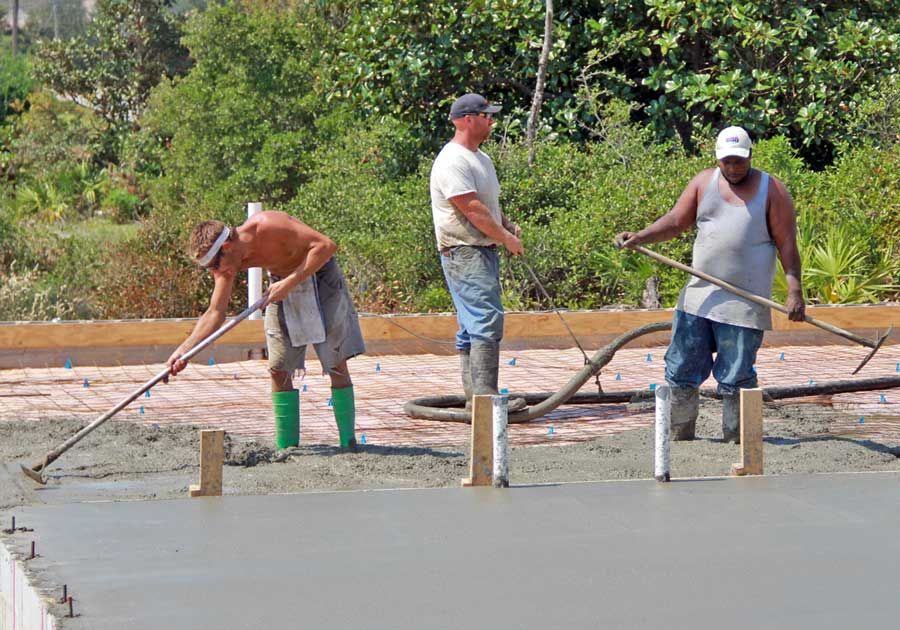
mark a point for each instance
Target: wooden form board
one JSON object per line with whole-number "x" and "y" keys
{"x": 212, "y": 456}
{"x": 518, "y": 326}
{"x": 481, "y": 460}
{"x": 751, "y": 434}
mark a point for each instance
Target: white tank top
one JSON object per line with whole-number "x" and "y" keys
{"x": 733, "y": 243}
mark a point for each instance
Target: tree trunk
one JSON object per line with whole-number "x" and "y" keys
{"x": 541, "y": 81}
{"x": 15, "y": 27}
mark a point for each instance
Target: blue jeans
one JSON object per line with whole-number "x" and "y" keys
{"x": 473, "y": 277}
{"x": 694, "y": 340}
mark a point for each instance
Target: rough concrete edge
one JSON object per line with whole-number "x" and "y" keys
{"x": 22, "y": 607}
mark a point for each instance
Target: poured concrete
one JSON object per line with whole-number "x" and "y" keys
{"x": 771, "y": 552}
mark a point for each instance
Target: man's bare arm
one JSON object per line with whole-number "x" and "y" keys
{"x": 479, "y": 215}
{"x": 782, "y": 220}
{"x": 677, "y": 220}
{"x": 209, "y": 322}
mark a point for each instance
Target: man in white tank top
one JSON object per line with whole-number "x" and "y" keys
{"x": 743, "y": 217}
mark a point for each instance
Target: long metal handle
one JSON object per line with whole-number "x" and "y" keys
{"x": 753, "y": 297}
{"x": 72, "y": 441}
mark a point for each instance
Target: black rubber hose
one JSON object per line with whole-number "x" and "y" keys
{"x": 437, "y": 407}
{"x": 449, "y": 408}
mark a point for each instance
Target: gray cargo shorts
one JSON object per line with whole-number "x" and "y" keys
{"x": 343, "y": 337}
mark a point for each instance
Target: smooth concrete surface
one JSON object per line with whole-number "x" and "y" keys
{"x": 796, "y": 552}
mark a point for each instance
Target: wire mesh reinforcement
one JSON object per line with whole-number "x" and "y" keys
{"x": 235, "y": 396}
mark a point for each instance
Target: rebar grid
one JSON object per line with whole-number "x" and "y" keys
{"x": 235, "y": 396}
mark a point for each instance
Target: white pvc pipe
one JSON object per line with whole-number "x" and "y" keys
{"x": 663, "y": 426}
{"x": 501, "y": 458}
{"x": 254, "y": 274}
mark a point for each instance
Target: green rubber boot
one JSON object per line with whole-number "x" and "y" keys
{"x": 344, "y": 405}
{"x": 287, "y": 418}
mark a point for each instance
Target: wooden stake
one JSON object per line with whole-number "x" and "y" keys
{"x": 212, "y": 455}
{"x": 751, "y": 434}
{"x": 481, "y": 461}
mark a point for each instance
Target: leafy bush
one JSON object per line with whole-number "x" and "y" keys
{"x": 570, "y": 203}
{"x": 55, "y": 272}
{"x": 128, "y": 47}
{"x": 52, "y": 137}
{"x": 149, "y": 275}
{"x": 792, "y": 69}
{"x": 21, "y": 297}
{"x": 849, "y": 219}
{"x": 15, "y": 82}
{"x": 121, "y": 205}
{"x": 242, "y": 124}
{"x": 382, "y": 224}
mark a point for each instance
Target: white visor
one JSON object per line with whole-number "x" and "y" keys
{"x": 211, "y": 253}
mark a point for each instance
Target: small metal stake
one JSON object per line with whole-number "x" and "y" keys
{"x": 65, "y": 596}
{"x": 71, "y": 611}
{"x": 31, "y": 557}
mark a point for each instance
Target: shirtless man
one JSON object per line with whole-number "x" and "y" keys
{"x": 319, "y": 312}
{"x": 743, "y": 217}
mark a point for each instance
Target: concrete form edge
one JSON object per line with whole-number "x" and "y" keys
{"x": 21, "y": 606}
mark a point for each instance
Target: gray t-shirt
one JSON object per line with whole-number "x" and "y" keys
{"x": 456, "y": 171}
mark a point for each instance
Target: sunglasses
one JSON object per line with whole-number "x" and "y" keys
{"x": 484, "y": 115}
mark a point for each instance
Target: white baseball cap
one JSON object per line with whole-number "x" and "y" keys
{"x": 733, "y": 141}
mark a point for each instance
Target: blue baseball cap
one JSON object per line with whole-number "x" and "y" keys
{"x": 472, "y": 104}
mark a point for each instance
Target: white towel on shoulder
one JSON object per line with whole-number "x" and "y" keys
{"x": 302, "y": 314}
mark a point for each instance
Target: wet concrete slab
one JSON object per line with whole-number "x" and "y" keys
{"x": 817, "y": 551}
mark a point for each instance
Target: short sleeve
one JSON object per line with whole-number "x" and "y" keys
{"x": 455, "y": 178}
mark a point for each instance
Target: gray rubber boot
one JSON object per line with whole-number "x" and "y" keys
{"x": 485, "y": 363}
{"x": 731, "y": 417}
{"x": 685, "y": 407}
{"x": 465, "y": 370}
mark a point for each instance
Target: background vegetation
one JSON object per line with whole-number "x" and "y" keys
{"x": 120, "y": 130}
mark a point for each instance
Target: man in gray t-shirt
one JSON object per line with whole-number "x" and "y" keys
{"x": 469, "y": 225}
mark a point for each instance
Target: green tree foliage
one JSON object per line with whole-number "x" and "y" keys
{"x": 49, "y": 166}
{"x": 411, "y": 59}
{"x": 877, "y": 120}
{"x": 333, "y": 111}
{"x": 784, "y": 68}
{"x": 128, "y": 48}
{"x": 243, "y": 123}
{"x": 15, "y": 83}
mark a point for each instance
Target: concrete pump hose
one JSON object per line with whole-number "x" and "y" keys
{"x": 435, "y": 407}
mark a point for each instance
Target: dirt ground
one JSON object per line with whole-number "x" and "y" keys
{"x": 127, "y": 461}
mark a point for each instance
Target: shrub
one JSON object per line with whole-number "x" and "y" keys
{"x": 849, "y": 219}
{"x": 127, "y": 48}
{"x": 53, "y": 138}
{"x": 15, "y": 83}
{"x": 121, "y": 205}
{"x": 243, "y": 123}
